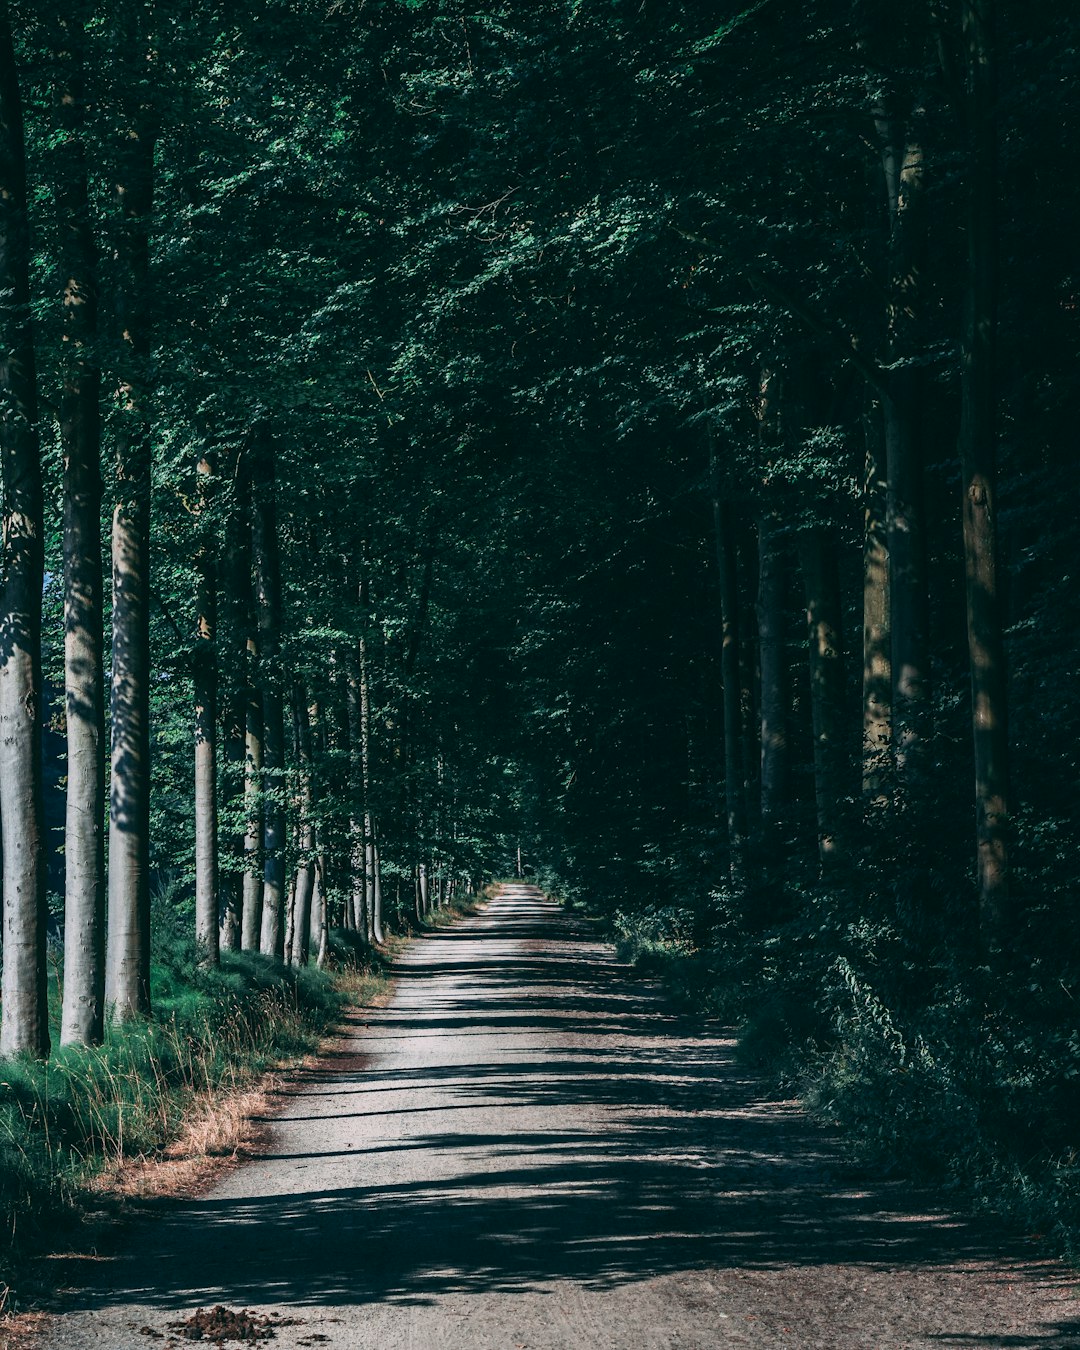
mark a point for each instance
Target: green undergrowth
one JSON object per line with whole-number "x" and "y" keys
{"x": 213, "y": 1031}
{"x": 456, "y": 908}
{"x": 927, "y": 1064}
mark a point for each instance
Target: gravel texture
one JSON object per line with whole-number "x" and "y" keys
{"x": 526, "y": 1150}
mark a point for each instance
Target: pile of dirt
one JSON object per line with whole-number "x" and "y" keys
{"x": 220, "y": 1324}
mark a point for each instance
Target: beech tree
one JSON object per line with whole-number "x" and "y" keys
{"x": 25, "y": 1024}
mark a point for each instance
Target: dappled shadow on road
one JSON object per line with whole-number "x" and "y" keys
{"x": 655, "y": 1156}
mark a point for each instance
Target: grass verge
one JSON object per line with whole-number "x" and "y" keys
{"x": 85, "y": 1127}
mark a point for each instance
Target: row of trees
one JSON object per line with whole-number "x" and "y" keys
{"x": 574, "y": 422}
{"x": 138, "y": 117}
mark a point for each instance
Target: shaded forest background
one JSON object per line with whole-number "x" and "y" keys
{"x": 638, "y": 434}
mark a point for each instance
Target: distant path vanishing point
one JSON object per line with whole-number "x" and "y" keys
{"x": 526, "y": 1150}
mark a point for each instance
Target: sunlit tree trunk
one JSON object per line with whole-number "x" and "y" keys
{"x": 82, "y": 1017}
{"x": 127, "y": 971}
{"x": 233, "y": 642}
{"x": 305, "y": 873}
{"x": 319, "y": 926}
{"x": 252, "y": 889}
{"x": 268, "y": 608}
{"x": 376, "y": 894}
{"x": 25, "y": 1023}
{"x": 205, "y": 688}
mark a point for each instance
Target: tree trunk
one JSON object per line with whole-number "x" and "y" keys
{"x": 358, "y": 876}
{"x": 251, "y": 929}
{"x": 82, "y": 1017}
{"x": 877, "y": 661}
{"x": 422, "y": 892}
{"x": 909, "y": 620}
{"x": 772, "y": 640}
{"x": 204, "y": 672}
{"x": 902, "y": 404}
{"x": 319, "y": 926}
{"x": 127, "y": 980}
{"x": 978, "y": 437}
{"x": 236, "y": 616}
{"x": 305, "y": 874}
{"x": 268, "y": 607}
{"x": 821, "y": 576}
{"x": 376, "y": 895}
{"x": 365, "y": 776}
{"x": 730, "y": 676}
{"x": 23, "y": 994}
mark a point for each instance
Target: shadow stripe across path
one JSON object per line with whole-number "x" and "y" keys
{"x": 527, "y": 1149}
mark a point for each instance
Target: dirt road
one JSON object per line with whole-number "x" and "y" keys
{"x": 527, "y": 1151}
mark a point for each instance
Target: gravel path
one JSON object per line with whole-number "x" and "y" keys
{"x": 526, "y": 1151}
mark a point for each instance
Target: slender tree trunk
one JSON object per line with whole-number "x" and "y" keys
{"x": 365, "y": 776}
{"x": 204, "y": 672}
{"x": 772, "y": 640}
{"x": 731, "y": 678}
{"x": 903, "y": 174}
{"x": 268, "y": 607}
{"x": 978, "y": 444}
{"x": 376, "y": 895}
{"x": 319, "y": 925}
{"x": 877, "y": 660}
{"x": 908, "y": 605}
{"x": 821, "y": 575}
{"x": 236, "y": 594}
{"x": 82, "y": 1017}
{"x": 25, "y": 1024}
{"x": 251, "y": 930}
{"x": 127, "y": 971}
{"x": 358, "y": 874}
{"x": 422, "y": 892}
{"x": 305, "y": 874}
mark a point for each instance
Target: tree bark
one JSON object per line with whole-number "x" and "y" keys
{"x": 83, "y": 1012}
{"x": 365, "y": 774}
{"x": 267, "y": 571}
{"x": 902, "y": 166}
{"x": 127, "y": 976}
{"x": 730, "y": 676}
{"x": 376, "y": 895}
{"x": 251, "y": 929}
{"x": 824, "y": 610}
{"x": 236, "y": 633}
{"x": 358, "y": 874}
{"x": 305, "y": 873}
{"x": 23, "y": 995}
{"x": 772, "y": 640}
{"x": 205, "y": 681}
{"x": 876, "y": 647}
{"x": 978, "y": 437}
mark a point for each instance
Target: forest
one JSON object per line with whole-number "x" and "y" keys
{"x": 623, "y": 442}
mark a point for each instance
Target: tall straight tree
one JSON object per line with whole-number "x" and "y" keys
{"x": 204, "y": 672}
{"x": 80, "y": 431}
{"x": 127, "y": 976}
{"x": 978, "y": 437}
{"x": 236, "y": 616}
{"x": 267, "y": 571}
{"x": 25, "y": 1025}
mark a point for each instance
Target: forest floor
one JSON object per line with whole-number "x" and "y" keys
{"x": 527, "y": 1150}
